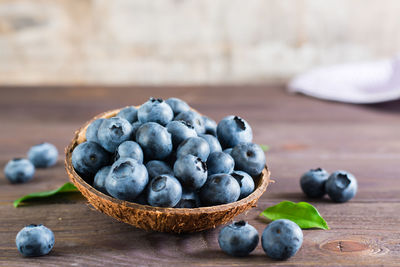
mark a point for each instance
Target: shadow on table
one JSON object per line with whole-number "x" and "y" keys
{"x": 389, "y": 107}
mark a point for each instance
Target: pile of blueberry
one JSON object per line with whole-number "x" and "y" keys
{"x": 341, "y": 186}
{"x": 280, "y": 240}
{"x": 165, "y": 154}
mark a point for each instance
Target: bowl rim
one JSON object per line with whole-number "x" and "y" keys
{"x": 79, "y": 137}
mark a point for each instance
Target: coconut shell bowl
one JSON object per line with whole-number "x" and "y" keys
{"x": 174, "y": 220}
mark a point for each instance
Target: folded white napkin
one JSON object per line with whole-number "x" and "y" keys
{"x": 362, "y": 83}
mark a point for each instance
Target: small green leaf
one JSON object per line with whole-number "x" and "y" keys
{"x": 264, "y": 147}
{"x": 302, "y": 213}
{"x": 66, "y": 188}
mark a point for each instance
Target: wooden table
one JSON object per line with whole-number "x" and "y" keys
{"x": 303, "y": 133}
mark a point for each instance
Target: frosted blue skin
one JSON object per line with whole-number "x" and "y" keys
{"x": 210, "y": 126}
{"x": 189, "y": 200}
{"x": 19, "y": 171}
{"x": 281, "y": 239}
{"x": 195, "y": 146}
{"x": 92, "y": 129}
{"x": 34, "y": 240}
{"x": 130, "y": 149}
{"x": 233, "y": 130}
{"x": 194, "y": 119}
{"x": 220, "y": 162}
{"x": 213, "y": 142}
{"x": 155, "y": 110}
{"x": 249, "y": 158}
{"x": 219, "y": 189}
{"x": 155, "y": 141}
{"x": 127, "y": 179}
{"x": 43, "y": 155}
{"x": 313, "y": 182}
{"x": 112, "y": 132}
{"x": 177, "y": 105}
{"x": 238, "y": 239}
{"x": 341, "y": 186}
{"x": 129, "y": 114}
{"x": 100, "y": 179}
{"x": 135, "y": 127}
{"x": 88, "y": 158}
{"x": 180, "y": 131}
{"x": 191, "y": 171}
{"x": 164, "y": 191}
{"x": 245, "y": 181}
{"x": 158, "y": 167}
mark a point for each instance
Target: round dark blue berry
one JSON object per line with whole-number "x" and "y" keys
{"x": 129, "y": 114}
{"x": 193, "y": 118}
{"x": 112, "y": 132}
{"x": 100, "y": 179}
{"x": 130, "y": 149}
{"x": 245, "y": 181}
{"x": 158, "y": 167}
{"x": 180, "y": 131}
{"x": 43, "y": 155}
{"x": 19, "y": 170}
{"x": 34, "y": 240}
{"x": 210, "y": 126}
{"x": 155, "y": 141}
{"x": 195, "y": 146}
{"x": 164, "y": 191}
{"x": 191, "y": 171}
{"x": 233, "y": 130}
{"x": 212, "y": 141}
{"x": 313, "y": 182}
{"x": 177, "y": 105}
{"x": 249, "y": 158}
{"x": 220, "y": 162}
{"x": 155, "y": 110}
{"x": 341, "y": 186}
{"x": 219, "y": 189}
{"x": 92, "y": 130}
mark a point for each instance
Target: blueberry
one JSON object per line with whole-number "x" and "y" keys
{"x": 177, "y": 105}
{"x": 164, "y": 191}
{"x": 195, "y": 146}
{"x": 130, "y": 149}
{"x": 210, "y": 126}
{"x": 238, "y": 239}
{"x": 189, "y": 200}
{"x": 19, "y": 170}
{"x": 100, "y": 179}
{"x": 155, "y": 141}
{"x": 92, "y": 130}
{"x": 157, "y": 167}
{"x": 341, "y": 186}
{"x": 34, "y": 240}
{"x": 194, "y": 119}
{"x": 112, "y": 132}
{"x": 43, "y": 155}
{"x": 220, "y": 162}
{"x": 155, "y": 110}
{"x": 135, "y": 127}
{"x": 129, "y": 114}
{"x": 245, "y": 181}
{"x": 313, "y": 182}
{"x": 219, "y": 189}
{"x": 212, "y": 142}
{"x": 88, "y": 158}
{"x": 233, "y": 130}
{"x": 127, "y": 179}
{"x": 249, "y": 158}
{"x": 180, "y": 131}
{"x": 281, "y": 239}
{"x": 191, "y": 171}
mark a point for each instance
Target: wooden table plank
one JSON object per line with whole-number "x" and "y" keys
{"x": 303, "y": 133}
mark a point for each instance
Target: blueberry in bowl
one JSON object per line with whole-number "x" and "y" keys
{"x": 164, "y": 198}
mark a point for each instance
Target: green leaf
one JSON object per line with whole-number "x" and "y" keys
{"x": 66, "y": 188}
{"x": 302, "y": 213}
{"x": 264, "y": 147}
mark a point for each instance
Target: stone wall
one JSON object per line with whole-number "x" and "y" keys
{"x": 188, "y": 42}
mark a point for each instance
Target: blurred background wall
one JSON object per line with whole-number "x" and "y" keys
{"x": 188, "y": 42}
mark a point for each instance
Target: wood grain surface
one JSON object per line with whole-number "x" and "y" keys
{"x": 302, "y": 133}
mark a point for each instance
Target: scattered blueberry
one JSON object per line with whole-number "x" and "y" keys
{"x": 191, "y": 171}
{"x": 43, "y": 155}
{"x": 194, "y": 119}
{"x": 189, "y": 200}
{"x": 341, "y": 186}
{"x": 212, "y": 142}
{"x": 19, "y": 170}
{"x": 100, "y": 179}
{"x": 180, "y": 131}
{"x": 313, "y": 182}
{"x": 92, "y": 130}
{"x": 210, "y": 126}
{"x": 158, "y": 167}
{"x": 155, "y": 141}
{"x": 281, "y": 239}
{"x": 233, "y": 130}
{"x": 238, "y": 239}
{"x": 177, "y": 105}
{"x": 195, "y": 146}
{"x": 130, "y": 149}
{"x": 34, "y": 240}
{"x": 88, "y": 158}
{"x": 249, "y": 158}
{"x": 127, "y": 179}
{"x": 155, "y": 110}
{"x": 129, "y": 114}
{"x": 220, "y": 162}
{"x": 245, "y": 181}
{"x": 112, "y": 132}
{"x": 219, "y": 189}
{"x": 164, "y": 191}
